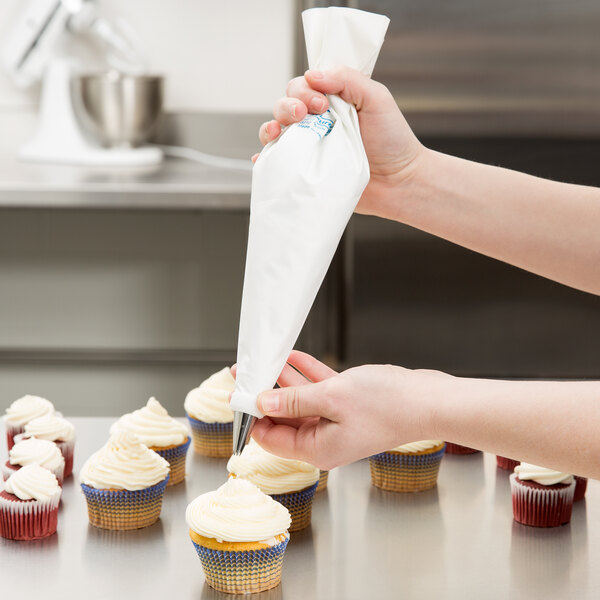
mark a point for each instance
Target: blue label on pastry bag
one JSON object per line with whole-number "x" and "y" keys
{"x": 320, "y": 124}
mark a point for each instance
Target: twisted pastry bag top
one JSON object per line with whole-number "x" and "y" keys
{"x": 210, "y": 401}
{"x": 33, "y": 451}
{"x": 51, "y": 427}
{"x": 25, "y": 409}
{"x": 272, "y": 474}
{"x": 124, "y": 463}
{"x": 418, "y": 446}
{"x": 542, "y": 475}
{"x": 238, "y": 512}
{"x": 33, "y": 483}
{"x": 152, "y": 425}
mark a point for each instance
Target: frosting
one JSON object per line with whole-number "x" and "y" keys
{"x": 210, "y": 401}
{"x": 237, "y": 512}
{"x": 33, "y": 451}
{"x": 418, "y": 446}
{"x": 152, "y": 425}
{"x": 25, "y": 409}
{"x": 272, "y": 474}
{"x": 541, "y": 475}
{"x": 124, "y": 463}
{"x": 33, "y": 482}
{"x": 51, "y": 427}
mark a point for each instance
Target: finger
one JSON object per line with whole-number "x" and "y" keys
{"x": 255, "y": 157}
{"x": 285, "y": 441}
{"x": 298, "y": 401}
{"x": 233, "y": 368}
{"x": 309, "y": 366}
{"x": 289, "y": 110}
{"x": 315, "y": 101}
{"x": 268, "y": 132}
{"x": 290, "y": 377}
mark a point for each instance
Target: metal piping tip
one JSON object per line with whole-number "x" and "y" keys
{"x": 242, "y": 428}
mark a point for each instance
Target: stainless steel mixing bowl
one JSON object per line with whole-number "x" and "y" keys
{"x": 118, "y": 109}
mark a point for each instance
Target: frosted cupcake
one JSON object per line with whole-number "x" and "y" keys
{"x": 166, "y": 436}
{"x": 240, "y": 535}
{"x": 541, "y": 497}
{"x": 54, "y": 429}
{"x": 124, "y": 483}
{"x": 411, "y": 467}
{"x": 211, "y": 418}
{"x": 291, "y": 482}
{"x": 452, "y": 448}
{"x": 32, "y": 451}
{"x": 29, "y": 504}
{"x": 508, "y": 464}
{"x": 23, "y": 410}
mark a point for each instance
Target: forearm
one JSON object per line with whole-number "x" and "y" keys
{"x": 548, "y": 423}
{"x": 549, "y": 228}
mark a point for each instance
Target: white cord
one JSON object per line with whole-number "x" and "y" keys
{"x": 210, "y": 160}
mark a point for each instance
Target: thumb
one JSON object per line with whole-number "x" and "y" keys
{"x": 296, "y": 401}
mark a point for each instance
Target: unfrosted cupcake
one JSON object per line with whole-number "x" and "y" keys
{"x": 240, "y": 535}
{"x": 23, "y": 410}
{"x": 411, "y": 467}
{"x": 53, "y": 428}
{"x": 210, "y": 416}
{"x": 32, "y": 451}
{"x": 508, "y": 464}
{"x": 124, "y": 483}
{"x": 541, "y": 497}
{"x": 291, "y": 482}
{"x": 452, "y": 448}
{"x": 166, "y": 436}
{"x": 29, "y": 504}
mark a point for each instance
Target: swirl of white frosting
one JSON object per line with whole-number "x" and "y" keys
{"x": 152, "y": 425}
{"x": 124, "y": 463}
{"x": 210, "y": 401}
{"x": 417, "y": 446}
{"x": 33, "y": 483}
{"x": 25, "y": 409}
{"x": 237, "y": 512}
{"x": 272, "y": 474}
{"x": 40, "y": 452}
{"x": 541, "y": 475}
{"x": 50, "y": 427}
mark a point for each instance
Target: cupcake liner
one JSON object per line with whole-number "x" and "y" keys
{"x": 299, "y": 504}
{"x": 541, "y": 506}
{"x": 176, "y": 458}
{"x": 11, "y": 432}
{"x": 458, "y": 449}
{"x": 323, "y": 478}
{"x": 508, "y": 464}
{"x": 8, "y": 470}
{"x": 27, "y": 519}
{"x": 124, "y": 509}
{"x": 242, "y": 572}
{"x": 212, "y": 439}
{"x": 401, "y": 472}
{"x": 580, "y": 487}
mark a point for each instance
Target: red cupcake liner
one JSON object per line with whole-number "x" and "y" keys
{"x": 507, "y": 463}
{"x": 580, "y": 487}
{"x": 27, "y": 519}
{"x": 458, "y": 449}
{"x": 8, "y": 470}
{"x": 11, "y": 432}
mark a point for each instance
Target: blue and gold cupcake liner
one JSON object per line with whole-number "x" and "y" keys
{"x": 401, "y": 472}
{"x": 124, "y": 509}
{"x": 322, "y": 484}
{"x": 242, "y": 572}
{"x": 212, "y": 439}
{"x": 176, "y": 458}
{"x": 299, "y": 504}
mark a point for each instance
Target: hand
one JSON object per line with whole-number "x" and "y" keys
{"x": 330, "y": 419}
{"x": 392, "y": 148}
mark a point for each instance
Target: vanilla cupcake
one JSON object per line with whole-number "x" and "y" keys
{"x": 29, "y": 504}
{"x": 240, "y": 535}
{"x": 53, "y": 428}
{"x": 23, "y": 410}
{"x": 166, "y": 436}
{"x": 291, "y": 482}
{"x": 210, "y": 416}
{"x": 124, "y": 483}
{"x": 32, "y": 451}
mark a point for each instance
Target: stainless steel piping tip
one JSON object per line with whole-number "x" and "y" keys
{"x": 242, "y": 428}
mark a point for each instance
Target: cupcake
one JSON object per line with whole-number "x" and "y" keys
{"x": 541, "y": 497}
{"x": 29, "y": 504}
{"x": 23, "y": 410}
{"x": 508, "y": 464}
{"x": 54, "y": 429}
{"x": 32, "y": 451}
{"x": 323, "y": 478}
{"x": 211, "y": 418}
{"x": 240, "y": 535}
{"x": 291, "y": 482}
{"x": 458, "y": 449}
{"x": 580, "y": 487}
{"x": 124, "y": 483}
{"x": 408, "y": 468}
{"x": 167, "y": 437}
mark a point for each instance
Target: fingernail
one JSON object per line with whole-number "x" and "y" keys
{"x": 315, "y": 74}
{"x": 267, "y": 129}
{"x": 270, "y": 402}
{"x": 317, "y": 104}
{"x": 293, "y": 110}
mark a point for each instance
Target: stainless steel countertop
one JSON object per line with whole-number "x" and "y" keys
{"x": 458, "y": 541}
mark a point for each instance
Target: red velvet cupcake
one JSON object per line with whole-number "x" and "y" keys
{"x": 33, "y": 451}
{"x": 458, "y": 449}
{"x": 23, "y": 410}
{"x": 580, "y": 487}
{"x": 506, "y": 463}
{"x": 29, "y": 504}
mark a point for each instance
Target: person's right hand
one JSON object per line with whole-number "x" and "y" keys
{"x": 392, "y": 149}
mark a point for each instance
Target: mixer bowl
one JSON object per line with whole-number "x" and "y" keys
{"x": 118, "y": 109}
